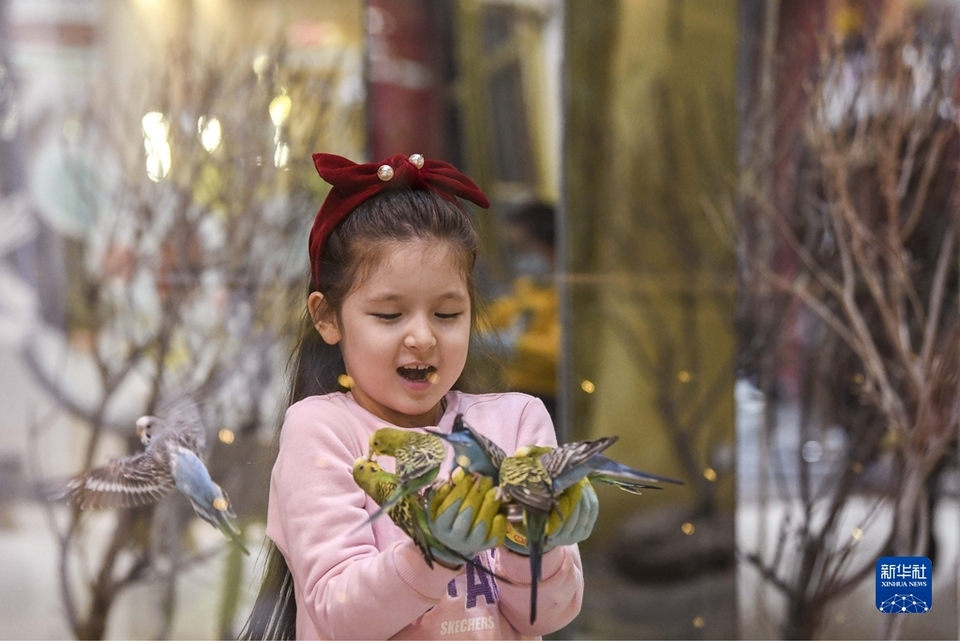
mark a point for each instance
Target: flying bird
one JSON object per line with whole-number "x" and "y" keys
{"x": 173, "y": 446}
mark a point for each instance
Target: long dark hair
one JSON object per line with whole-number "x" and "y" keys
{"x": 353, "y": 248}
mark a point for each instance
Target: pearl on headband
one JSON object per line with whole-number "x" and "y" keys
{"x": 386, "y": 172}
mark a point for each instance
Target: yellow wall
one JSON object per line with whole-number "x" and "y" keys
{"x": 652, "y": 277}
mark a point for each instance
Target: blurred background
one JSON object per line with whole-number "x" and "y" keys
{"x": 724, "y": 230}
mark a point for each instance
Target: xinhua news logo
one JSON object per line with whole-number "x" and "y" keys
{"x": 904, "y": 584}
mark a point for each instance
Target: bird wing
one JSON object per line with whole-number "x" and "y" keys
{"x": 524, "y": 480}
{"x": 380, "y": 486}
{"x": 132, "y": 481}
{"x": 568, "y": 456}
{"x": 418, "y": 456}
{"x": 491, "y": 449}
{"x": 403, "y": 515}
{"x": 182, "y": 415}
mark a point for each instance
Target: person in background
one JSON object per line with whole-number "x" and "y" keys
{"x": 526, "y": 319}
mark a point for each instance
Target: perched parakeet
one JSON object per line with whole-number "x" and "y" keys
{"x": 418, "y": 460}
{"x": 480, "y": 456}
{"x": 534, "y": 479}
{"x": 473, "y": 451}
{"x": 406, "y": 513}
{"x": 409, "y": 513}
{"x": 171, "y": 459}
{"x": 525, "y": 482}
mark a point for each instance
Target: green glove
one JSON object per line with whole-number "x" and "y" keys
{"x": 571, "y": 521}
{"x": 465, "y": 516}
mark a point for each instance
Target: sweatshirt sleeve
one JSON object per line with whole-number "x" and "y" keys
{"x": 343, "y": 578}
{"x": 560, "y": 593}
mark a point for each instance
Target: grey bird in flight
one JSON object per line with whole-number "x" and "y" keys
{"x": 173, "y": 446}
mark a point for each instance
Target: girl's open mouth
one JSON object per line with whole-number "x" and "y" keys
{"x": 419, "y": 374}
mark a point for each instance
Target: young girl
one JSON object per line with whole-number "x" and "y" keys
{"x": 391, "y": 307}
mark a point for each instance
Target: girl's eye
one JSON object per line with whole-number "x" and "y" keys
{"x": 448, "y": 316}
{"x": 387, "y": 316}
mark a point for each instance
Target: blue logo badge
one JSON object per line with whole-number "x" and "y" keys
{"x": 904, "y": 584}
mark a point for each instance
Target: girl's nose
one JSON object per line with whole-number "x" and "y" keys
{"x": 420, "y": 335}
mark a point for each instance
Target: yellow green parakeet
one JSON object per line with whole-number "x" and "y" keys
{"x": 527, "y": 487}
{"x": 418, "y": 460}
{"x": 524, "y": 481}
{"x": 410, "y": 514}
{"x": 405, "y": 513}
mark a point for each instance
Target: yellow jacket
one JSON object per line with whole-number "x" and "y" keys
{"x": 532, "y": 366}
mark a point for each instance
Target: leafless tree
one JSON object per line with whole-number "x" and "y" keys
{"x": 870, "y": 250}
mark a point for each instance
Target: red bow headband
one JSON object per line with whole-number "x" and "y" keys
{"x": 355, "y": 183}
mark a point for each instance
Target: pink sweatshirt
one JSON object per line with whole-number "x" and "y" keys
{"x": 356, "y": 581}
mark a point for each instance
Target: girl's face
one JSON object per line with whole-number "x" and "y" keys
{"x": 404, "y": 332}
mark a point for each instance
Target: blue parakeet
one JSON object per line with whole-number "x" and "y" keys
{"x": 473, "y": 451}
{"x": 170, "y": 459}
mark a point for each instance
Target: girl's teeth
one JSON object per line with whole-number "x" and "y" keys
{"x": 417, "y": 373}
